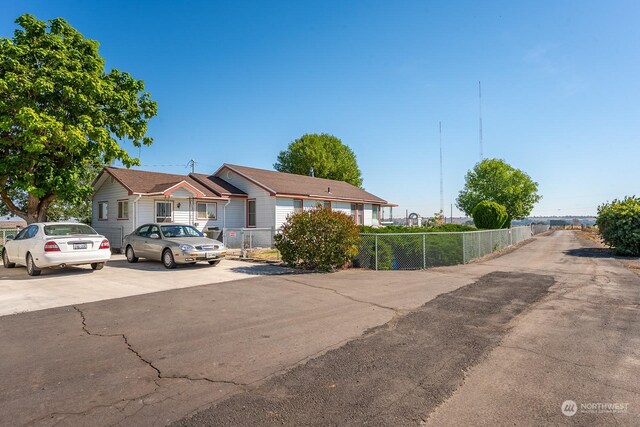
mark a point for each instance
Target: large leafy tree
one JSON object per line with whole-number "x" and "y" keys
{"x": 497, "y": 181}
{"x": 325, "y": 154}
{"x": 62, "y": 116}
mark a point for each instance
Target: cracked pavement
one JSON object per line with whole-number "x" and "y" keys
{"x": 154, "y": 359}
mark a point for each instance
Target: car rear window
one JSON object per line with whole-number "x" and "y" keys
{"x": 68, "y": 229}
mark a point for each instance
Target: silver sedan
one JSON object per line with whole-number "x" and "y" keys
{"x": 172, "y": 244}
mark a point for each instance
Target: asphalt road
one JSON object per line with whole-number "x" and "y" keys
{"x": 546, "y": 323}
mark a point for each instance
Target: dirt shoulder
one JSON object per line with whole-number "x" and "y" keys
{"x": 395, "y": 374}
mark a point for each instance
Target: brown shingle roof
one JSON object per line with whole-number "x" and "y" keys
{"x": 145, "y": 182}
{"x": 282, "y": 183}
{"x": 219, "y": 185}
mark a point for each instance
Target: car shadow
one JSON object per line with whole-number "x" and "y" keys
{"x": 20, "y": 273}
{"x": 147, "y": 265}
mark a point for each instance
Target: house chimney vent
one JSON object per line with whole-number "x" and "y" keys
{"x": 328, "y": 189}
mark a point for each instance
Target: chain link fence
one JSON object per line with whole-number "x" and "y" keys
{"x": 412, "y": 251}
{"x": 4, "y": 232}
{"x": 248, "y": 238}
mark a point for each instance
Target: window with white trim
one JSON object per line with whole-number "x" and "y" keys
{"x": 251, "y": 213}
{"x": 357, "y": 213}
{"x": 164, "y": 211}
{"x": 375, "y": 213}
{"x": 123, "y": 209}
{"x": 207, "y": 210}
{"x": 103, "y": 209}
{"x": 298, "y": 205}
{"x": 327, "y": 204}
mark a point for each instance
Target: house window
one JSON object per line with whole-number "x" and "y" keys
{"x": 207, "y": 210}
{"x": 327, "y": 204}
{"x": 123, "y": 209}
{"x": 164, "y": 211}
{"x": 297, "y": 205}
{"x": 251, "y": 213}
{"x": 357, "y": 213}
{"x": 375, "y": 213}
{"x": 102, "y": 211}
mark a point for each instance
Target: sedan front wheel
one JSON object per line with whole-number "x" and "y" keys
{"x": 168, "y": 260}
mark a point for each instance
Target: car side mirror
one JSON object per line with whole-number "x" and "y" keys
{"x": 9, "y": 237}
{"x": 154, "y": 236}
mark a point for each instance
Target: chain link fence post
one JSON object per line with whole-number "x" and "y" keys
{"x": 376, "y": 250}
{"x": 424, "y": 251}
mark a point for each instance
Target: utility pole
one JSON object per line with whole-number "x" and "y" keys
{"x": 441, "y": 179}
{"x": 192, "y": 164}
{"x": 480, "y": 116}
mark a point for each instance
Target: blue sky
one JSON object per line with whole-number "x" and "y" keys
{"x": 237, "y": 81}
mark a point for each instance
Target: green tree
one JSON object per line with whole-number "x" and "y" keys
{"x": 62, "y": 116}
{"x": 497, "y": 181}
{"x": 489, "y": 215}
{"x": 325, "y": 154}
{"x": 619, "y": 225}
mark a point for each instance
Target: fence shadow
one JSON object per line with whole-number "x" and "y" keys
{"x": 266, "y": 270}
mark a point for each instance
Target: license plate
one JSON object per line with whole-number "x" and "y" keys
{"x": 79, "y": 246}
{"x": 210, "y": 255}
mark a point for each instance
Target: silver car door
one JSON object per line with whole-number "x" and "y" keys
{"x": 137, "y": 240}
{"x": 154, "y": 247}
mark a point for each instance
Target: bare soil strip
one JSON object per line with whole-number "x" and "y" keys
{"x": 396, "y": 374}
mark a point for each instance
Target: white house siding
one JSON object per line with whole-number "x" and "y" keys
{"x": 113, "y": 228}
{"x": 284, "y": 208}
{"x": 265, "y": 203}
{"x": 341, "y": 207}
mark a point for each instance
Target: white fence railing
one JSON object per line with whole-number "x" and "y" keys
{"x": 412, "y": 251}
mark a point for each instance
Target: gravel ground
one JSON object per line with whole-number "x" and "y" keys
{"x": 396, "y": 374}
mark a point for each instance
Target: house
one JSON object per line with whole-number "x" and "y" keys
{"x": 232, "y": 197}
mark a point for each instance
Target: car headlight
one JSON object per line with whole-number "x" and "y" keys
{"x": 186, "y": 248}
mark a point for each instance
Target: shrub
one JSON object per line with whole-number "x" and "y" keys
{"x": 619, "y": 225}
{"x": 318, "y": 239}
{"x": 489, "y": 215}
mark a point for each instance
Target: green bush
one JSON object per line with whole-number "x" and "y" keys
{"x": 318, "y": 239}
{"x": 489, "y": 215}
{"x": 619, "y": 225}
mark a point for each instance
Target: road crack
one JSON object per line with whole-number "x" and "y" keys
{"x": 384, "y": 307}
{"x": 528, "y": 350}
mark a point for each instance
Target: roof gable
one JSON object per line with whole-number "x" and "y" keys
{"x": 159, "y": 183}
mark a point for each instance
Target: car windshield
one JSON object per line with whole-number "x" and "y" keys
{"x": 67, "y": 229}
{"x": 169, "y": 231}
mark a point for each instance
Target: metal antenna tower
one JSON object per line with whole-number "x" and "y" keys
{"x": 441, "y": 179}
{"x": 192, "y": 163}
{"x": 480, "y": 116}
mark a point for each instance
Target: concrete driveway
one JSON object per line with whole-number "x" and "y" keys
{"x": 20, "y": 292}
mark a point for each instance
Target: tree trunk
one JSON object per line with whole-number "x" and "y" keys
{"x": 36, "y": 209}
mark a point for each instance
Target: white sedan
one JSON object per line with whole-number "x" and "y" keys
{"x": 56, "y": 245}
